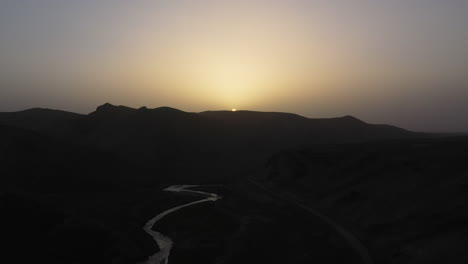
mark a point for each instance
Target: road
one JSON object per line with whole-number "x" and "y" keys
{"x": 352, "y": 240}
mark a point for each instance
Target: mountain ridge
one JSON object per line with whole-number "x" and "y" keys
{"x": 165, "y": 131}
{"x": 115, "y": 109}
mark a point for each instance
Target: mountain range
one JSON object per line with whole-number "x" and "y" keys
{"x": 157, "y": 131}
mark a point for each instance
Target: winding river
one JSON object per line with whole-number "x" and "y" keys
{"x": 165, "y": 243}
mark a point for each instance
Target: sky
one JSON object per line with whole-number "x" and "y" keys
{"x": 400, "y": 62}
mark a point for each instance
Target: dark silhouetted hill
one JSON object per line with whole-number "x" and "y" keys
{"x": 406, "y": 199}
{"x": 40, "y": 119}
{"x": 286, "y": 129}
{"x": 177, "y": 143}
{"x": 50, "y": 191}
{"x": 41, "y": 163}
{"x": 166, "y": 132}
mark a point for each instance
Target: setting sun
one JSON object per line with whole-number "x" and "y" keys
{"x": 234, "y": 110}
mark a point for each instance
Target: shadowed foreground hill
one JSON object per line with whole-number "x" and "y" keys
{"x": 406, "y": 199}
{"x": 50, "y": 191}
{"x": 41, "y": 163}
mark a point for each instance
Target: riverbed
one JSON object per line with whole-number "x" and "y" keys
{"x": 164, "y": 242}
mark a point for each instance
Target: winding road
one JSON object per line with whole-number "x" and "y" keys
{"x": 352, "y": 240}
{"x": 165, "y": 243}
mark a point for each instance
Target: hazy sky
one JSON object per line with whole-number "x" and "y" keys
{"x": 403, "y": 62}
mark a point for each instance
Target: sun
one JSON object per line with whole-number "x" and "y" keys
{"x": 234, "y": 110}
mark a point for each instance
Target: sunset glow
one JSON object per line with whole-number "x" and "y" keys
{"x": 316, "y": 58}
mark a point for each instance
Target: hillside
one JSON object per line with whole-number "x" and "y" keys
{"x": 405, "y": 199}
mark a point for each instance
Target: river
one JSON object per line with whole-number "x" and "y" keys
{"x": 165, "y": 243}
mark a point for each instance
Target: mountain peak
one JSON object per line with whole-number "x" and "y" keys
{"x": 110, "y": 108}
{"x": 105, "y": 107}
{"x": 350, "y": 118}
{"x": 168, "y": 109}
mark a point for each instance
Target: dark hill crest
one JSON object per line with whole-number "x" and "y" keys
{"x": 112, "y": 109}
{"x": 168, "y": 130}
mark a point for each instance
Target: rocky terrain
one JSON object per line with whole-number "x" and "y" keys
{"x": 407, "y": 200}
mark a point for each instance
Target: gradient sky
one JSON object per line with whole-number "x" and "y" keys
{"x": 403, "y": 62}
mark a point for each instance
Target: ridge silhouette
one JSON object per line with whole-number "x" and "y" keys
{"x": 153, "y": 134}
